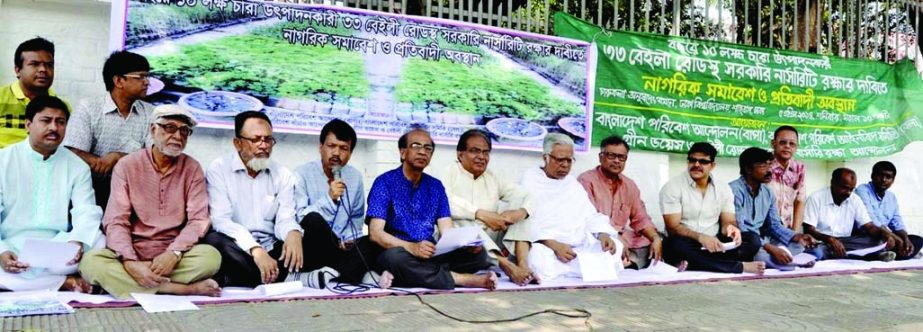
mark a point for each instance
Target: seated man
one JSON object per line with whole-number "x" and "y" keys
{"x": 564, "y": 224}
{"x": 252, "y": 207}
{"x": 699, "y": 215}
{"x": 475, "y": 194}
{"x": 756, "y": 212}
{"x": 330, "y": 202}
{"x": 157, "y": 212}
{"x": 882, "y": 207}
{"x": 405, "y": 206}
{"x": 37, "y": 184}
{"x": 834, "y": 214}
{"x": 618, "y": 197}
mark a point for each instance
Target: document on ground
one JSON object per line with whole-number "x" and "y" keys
{"x": 597, "y": 266}
{"x": 14, "y": 304}
{"x": 163, "y": 303}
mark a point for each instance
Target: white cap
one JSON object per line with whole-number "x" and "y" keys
{"x": 173, "y": 110}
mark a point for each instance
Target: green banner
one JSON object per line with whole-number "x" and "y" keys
{"x": 664, "y": 93}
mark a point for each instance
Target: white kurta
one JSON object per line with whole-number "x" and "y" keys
{"x": 564, "y": 213}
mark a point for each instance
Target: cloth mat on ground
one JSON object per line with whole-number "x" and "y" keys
{"x": 627, "y": 278}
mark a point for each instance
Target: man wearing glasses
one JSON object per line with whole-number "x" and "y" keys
{"x": 475, "y": 194}
{"x": 788, "y": 177}
{"x": 698, "y": 213}
{"x": 157, "y": 213}
{"x": 105, "y": 129}
{"x": 565, "y": 224}
{"x": 405, "y": 208}
{"x": 618, "y": 197}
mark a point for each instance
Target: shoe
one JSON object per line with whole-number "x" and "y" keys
{"x": 887, "y": 256}
{"x": 316, "y": 279}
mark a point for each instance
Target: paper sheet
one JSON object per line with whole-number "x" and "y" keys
{"x": 802, "y": 259}
{"x": 161, "y": 303}
{"x": 597, "y": 266}
{"x": 727, "y": 246}
{"x": 866, "y": 251}
{"x": 47, "y": 254}
{"x": 279, "y": 288}
{"x": 14, "y": 304}
{"x": 660, "y": 268}
{"x": 457, "y": 237}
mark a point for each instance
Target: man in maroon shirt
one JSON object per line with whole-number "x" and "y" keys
{"x": 157, "y": 212}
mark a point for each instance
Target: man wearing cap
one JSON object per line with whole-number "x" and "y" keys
{"x": 157, "y": 213}
{"x": 105, "y": 129}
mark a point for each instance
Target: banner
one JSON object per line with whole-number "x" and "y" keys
{"x": 304, "y": 65}
{"x": 664, "y": 93}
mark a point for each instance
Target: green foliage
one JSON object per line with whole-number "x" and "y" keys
{"x": 147, "y": 20}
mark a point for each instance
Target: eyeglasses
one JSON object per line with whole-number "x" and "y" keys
{"x": 425, "y": 147}
{"x": 563, "y": 160}
{"x": 703, "y": 162}
{"x": 479, "y": 152}
{"x": 257, "y": 140}
{"x": 612, "y": 156}
{"x": 171, "y": 129}
{"x": 140, "y": 77}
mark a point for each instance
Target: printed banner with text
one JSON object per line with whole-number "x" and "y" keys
{"x": 306, "y": 64}
{"x": 664, "y": 93}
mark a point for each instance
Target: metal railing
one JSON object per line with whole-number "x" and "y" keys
{"x": 877, "y": 30}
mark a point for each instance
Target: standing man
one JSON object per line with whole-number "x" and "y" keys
{"x": 788, "y": 177}
{"x": 103, "y": 130}
{"x": 698, "y": 212}
{"x": 565, "y": 225}
{"x": 252, "y": 208}
{"x": 157, "y": 213}
{"x": 834, "y": 215}
{"x": 33, "y": 63}
{"x": 330, "y": 202}
{"x": 619, "y": 198}
{"x": 882, "y": 207}
{"x": 756, "y": 212}
{"x": 38, "y": 183}
{"x": 475, "y": 194}
{"x": 405, "y": 207}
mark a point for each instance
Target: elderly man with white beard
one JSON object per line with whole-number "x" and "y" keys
{"x": 252, "y": 204}
{"x": 565, "y": 223}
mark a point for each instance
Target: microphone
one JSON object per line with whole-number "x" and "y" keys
{"x": 336, "y": 170}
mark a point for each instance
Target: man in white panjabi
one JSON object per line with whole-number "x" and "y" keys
{"x": 565, "y": 224}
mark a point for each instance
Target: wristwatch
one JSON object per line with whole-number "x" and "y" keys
{"x": 179, "y": 254}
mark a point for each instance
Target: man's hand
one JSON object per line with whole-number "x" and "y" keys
{"x": 104, "y": 164}
{"x": 514, "y": 216}
{"x": 79, "y": 252}
{"x": 907, "y": 248}
{"x": 423, "y": 249}
{"x": 337, "y": 187}
{"x": 778, "y": 255}
{"x": 269, "y": 268}
{"x": 734, "y": 233}
{"x": 608, "y": 244}
{"x": 164, "y": 263}
{"x": 656, "y": 250}
{"x": 141, "y": 272}
{"x": 711, "y": 243}
{"x": 492, "y": 220}
{"x": 805, "y": 240}
{"x": 839, "y": 251}
{"x": 292, "y": 253}
{"x": 564, "y": 252}
{"x": 892, "y": 241}
{"x": 11, "y": 264}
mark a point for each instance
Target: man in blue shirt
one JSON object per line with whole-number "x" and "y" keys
{"x": 755, "y": 209}
{"x": 883, "y": 209}
{"x": 405, "y": 206}
{"x": 330, "y": 202}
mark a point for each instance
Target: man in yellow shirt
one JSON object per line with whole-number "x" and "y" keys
{"x": 34, "y": 66}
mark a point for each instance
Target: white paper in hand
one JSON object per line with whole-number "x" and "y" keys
{"x": 161, "y": 303}
{"x": 727, "y": 246}
{"x": 457, "y": 237}
{"x": 803, "y": 259}
{"x": 47, "y": 254}
{"x": 597, "y": 266}
{"x": 280, "y": 288}
{"x": 866, "y": 251}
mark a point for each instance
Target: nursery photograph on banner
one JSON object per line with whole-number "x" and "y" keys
{"x": 304, "y": 65}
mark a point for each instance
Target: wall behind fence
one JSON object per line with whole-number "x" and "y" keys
{"x": 80, "y": 30}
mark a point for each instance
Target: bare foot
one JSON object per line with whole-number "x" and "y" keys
{"x": 488, "y": 281}
{"x": 207, "y": 287}
{"x": 386, "y": 279}
{"x": 755, "y": 267}
{"x": 518, "y": 275}
{"x": 77, "y": 284}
